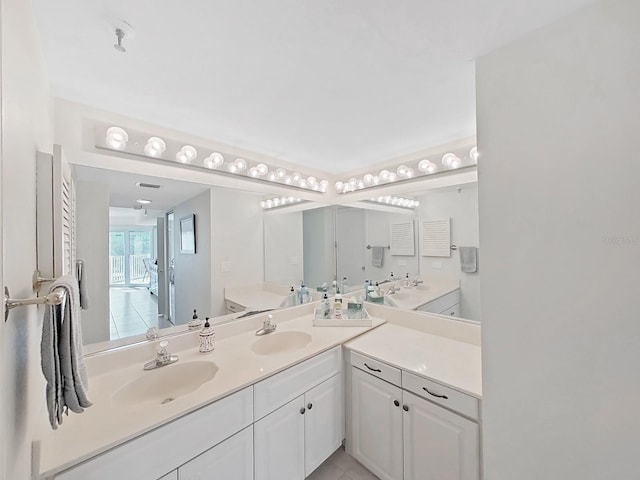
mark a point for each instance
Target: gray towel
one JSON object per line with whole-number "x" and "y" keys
{"x": 61, "y": 350}
{"x": 81, "y": 275}
{"x": 377, "y": 256}
{"x": 468, "y": 259}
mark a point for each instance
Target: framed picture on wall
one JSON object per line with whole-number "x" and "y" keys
{"x": 188, "y": 234}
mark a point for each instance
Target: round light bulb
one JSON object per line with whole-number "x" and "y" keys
{"x": 253, "y": 172}
{"x": 473, "y": 154}
{"x": 339, "y": 187}
{"x": 189, "y": 152}
{"x": 426, "y": 166}
{"x": 312, "y": 181}
{"x": 384, "y": 175}
{"x": 281, "y": 173}
{"x": 402, "y": 171}
{"x": 276, "y": 202}
{"x": 302, "y": 183}
{"x": 262, "y": 169}
{"x": 117, "y": 138}
{"x": 368, "y": 179}
{"x": 269, "y": 203}
{"x": 410, "y": 172}
{"x": 263, "y": 204}
{"x": 240, "y": 164}
{"x": 392, "y": 177}
{"x": 155, "y": 147}
{"x": 295, "y": 177}
{"x": 288, "y": 180}
{"x": 182, "y": 157}
{"x": 271, "y": 176}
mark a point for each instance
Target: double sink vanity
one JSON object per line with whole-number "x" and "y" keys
{"x": 403, "y": 395}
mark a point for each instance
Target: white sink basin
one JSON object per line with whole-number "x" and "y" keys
{"x": 280, "y": 342}
{"x": 165, "y": 384}
{"x": 406, "y": 296}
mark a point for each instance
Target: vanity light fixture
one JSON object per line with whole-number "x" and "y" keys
{"x": 424, "y": 167}
{"x": 396, "y": 201}
{"x": 117, "y": 138}
{"x": 187, "y": 154}
{"x": 279, "y": 202}
{"x": 155, "y": 147}
{"x": 143, "y": 201}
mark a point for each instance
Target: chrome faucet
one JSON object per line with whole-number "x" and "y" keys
{"x": 416, "y": 282}
{"x": 392, "y": 289}
{"x": 163, "y": 357}
{"x": 267, "y": 326}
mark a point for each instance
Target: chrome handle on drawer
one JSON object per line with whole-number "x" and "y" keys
{"x": 435, "y": 394}
{"x": 373, "y": 369}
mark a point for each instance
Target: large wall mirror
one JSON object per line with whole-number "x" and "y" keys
{"x": 246, "y": 258}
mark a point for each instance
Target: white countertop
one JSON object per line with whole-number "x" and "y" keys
{"x": 104, "y": 426}
{"x": 411, "y": 298}
{"x": 254, "y": 299}
{"x": 449, "y": 362}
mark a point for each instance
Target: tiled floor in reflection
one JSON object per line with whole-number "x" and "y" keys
{"x": 341, "y": 466}
{"x": 133, "y": 311}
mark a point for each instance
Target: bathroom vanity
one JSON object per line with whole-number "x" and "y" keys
{"x": 268, "y": 407}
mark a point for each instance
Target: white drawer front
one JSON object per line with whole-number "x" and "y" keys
{"x": 441, "y": 304}
{"x": 273, "y": 392}
{"x": 152, "y": 455}
{"x": 377, "y": 368}
{"x": 437, "y": 393}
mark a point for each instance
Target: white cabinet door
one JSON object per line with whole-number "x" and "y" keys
{"x": 170, "y": 476}
{"x": 231, "y": 460}
{"x": 376, "y": 419}
{"x": 438, "y": 444}
{"x": 279, "y": 443}
{"x": 453, "y": 311}
{"x": 323, "y": 422}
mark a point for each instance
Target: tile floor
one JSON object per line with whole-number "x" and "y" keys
{"x": 133, "y": 310}
{"x": 341, "y": 466}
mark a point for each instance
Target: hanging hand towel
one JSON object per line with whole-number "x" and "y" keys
{"x": 62, "y": 358}
{"x": 468, "y": 259}
{"x": 377, "y": 256}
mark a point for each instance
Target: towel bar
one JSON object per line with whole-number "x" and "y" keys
{"x": 369, "y": 247}
{"x": 54, "y": 298}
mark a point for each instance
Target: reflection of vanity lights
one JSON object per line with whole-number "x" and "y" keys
{"x": 117, "y": 138}
{"x": 424, "y": 167}
{"x": 397, "y": 201}
{"x": 143, "y": 201}
{"x": 278, "y": 202}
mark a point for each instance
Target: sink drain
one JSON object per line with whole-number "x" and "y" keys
{"x": 167, "y": 400}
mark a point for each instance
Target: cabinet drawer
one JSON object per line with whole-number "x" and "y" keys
{"x": 377, "y": 368}
{"x": 437, "y": 393}
{"x": 233, "y": 307}
{"x": 169, "y": 445}
{"x": 283, "y": 387}
{"x": 443, "y": 303}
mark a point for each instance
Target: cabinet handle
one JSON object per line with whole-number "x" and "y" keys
{"x": 302, "y": 411}
{"x": 373, "y": 369}
{"x": 396, "y": 403}
{"x": 309, "y": 406}
{"x": 405, "y": 408}
{"x": 435, "y": 394}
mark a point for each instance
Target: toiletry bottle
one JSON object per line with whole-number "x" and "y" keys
{"x": 391, "y": 279}
{"x": 335, "y": 287}
{"x": 195, "y": 322}
{"x": 302, "y": 294}
{"x": 377, "y": 289}
{"x": 326, "y": 306}
{"x": 207, "y": 338}
{"x": 293, "y": 298}
{"x": 367, "y": 283}
{"x": 343, "y": 290}
{"x": 337, "y": 306}
{"x": 406, "y": 281}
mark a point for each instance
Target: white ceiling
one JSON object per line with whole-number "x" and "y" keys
{"x": 332, "y": 84}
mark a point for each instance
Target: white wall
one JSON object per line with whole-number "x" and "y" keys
{"x": 378, "y": 233}
{"x": 26, "y": 128}
{"x": 558, "y": 118}
{"x": 92, "y": 246}
{"x": 283, "y": 248}
{"x": 236, "y": 243}
{"x": 460, "y": 203}
{"x": 192, "y": 273}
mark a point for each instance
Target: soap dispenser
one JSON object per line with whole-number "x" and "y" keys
{"x": 293, "y": 298}
{"x": 195, "y": 323}
{"x": 407, "y": 283}
{"x": 326, "y": 306}
{"x": 207, "y": 338}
